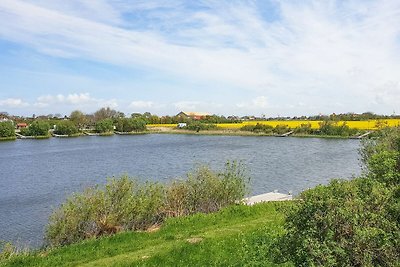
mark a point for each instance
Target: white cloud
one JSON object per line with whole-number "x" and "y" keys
{"x": 75, "y": 99}
{"x": 141, "y": 104}
{"x": 187, "y": 105}
{"x": 318, "y": 52}
{"x": 258, "y": 103}
{"x": 13, "y": 103}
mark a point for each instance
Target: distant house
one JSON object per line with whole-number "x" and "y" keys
{"x": 21, "y": 125}
{"x": 192, "y": 115}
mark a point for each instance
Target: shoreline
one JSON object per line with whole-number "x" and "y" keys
{"x": 185, "y": 132}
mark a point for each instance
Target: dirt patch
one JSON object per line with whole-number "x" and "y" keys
{"x": 194, "y": 240}
{"x": 153, "y": 228}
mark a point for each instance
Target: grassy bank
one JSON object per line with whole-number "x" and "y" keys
{"x": 235, "y": 236}
{"x": 11, "y": 138}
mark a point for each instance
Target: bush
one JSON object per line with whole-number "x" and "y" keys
{"x": 304, "y": 129}
{"x": 349, "y": 223}
{"x": 124, "y": 204}
{"x": 199, "y": 126}
{"x": 331, "y": 128}
{"x": 281, "y": 129}
{"x": 36, "y": 128}
{"x": 206, "y": 190}
{"x": 7, "y": 129}
{"x": 258, "y": 128}
{"x": 131, "y": 125}
{"x": 66, "y": 128}
{"x": 104, "y": 126}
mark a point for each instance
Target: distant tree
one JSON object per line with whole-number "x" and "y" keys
{"x": 104, "y": 126}
{"x": 66, "y": 128}
{"x": 106, "y": 113}
{"x": 37, "y": 128}
{"x": 131, "y": 125}
{"x": 7, "y": 129}
{"x": 78, "y": 118}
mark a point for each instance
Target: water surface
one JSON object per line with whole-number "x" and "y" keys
{"x": 37, "y": 175}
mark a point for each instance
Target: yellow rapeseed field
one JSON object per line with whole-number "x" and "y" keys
{"x": 362, "y": 125}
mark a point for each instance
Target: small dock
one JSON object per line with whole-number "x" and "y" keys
{"x": 361, "y": 136}
{"x": 91, "y": 134}
{"x": 20, "y": 136}
{"x": 271, "y": 196}
{"x": 286, "y": 134}
{"x": 60, "y": 135}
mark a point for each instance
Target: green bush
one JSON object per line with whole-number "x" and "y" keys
{"x": 104, "y": 126}
{"x": 66, "y": 128}
{"x": 125, "y": 204}
{"x": 258, "y": 128}
{"x": 131, "y": 125}
{"x": 349, "y": 223}
{"x": 331, "y": 128}
{"x": 36, "y": 128}
{"x": 281, "y": 129}
{"x": 7, "y": 129}
{"x": 207, "y": 191}
{"x": 200, "y": 126}
{"x": 304, "y": 129}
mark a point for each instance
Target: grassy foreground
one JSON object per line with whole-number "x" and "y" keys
{"x": 236, "y": 236}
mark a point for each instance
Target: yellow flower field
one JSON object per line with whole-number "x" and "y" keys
{"x": 362, "y": 125}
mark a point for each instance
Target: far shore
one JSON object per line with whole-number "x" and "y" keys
{"x": 227, "y": 132}
{"x": 170, "y": 130}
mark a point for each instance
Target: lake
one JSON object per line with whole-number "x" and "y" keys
{"x": 37, "y": 175}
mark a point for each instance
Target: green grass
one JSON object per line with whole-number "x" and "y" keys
{"x": 10, "y": 138}
{"x": 235, "y": 236}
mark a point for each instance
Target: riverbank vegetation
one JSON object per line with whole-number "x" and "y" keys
{"x": 66, "y": 128}
{"x": 125, "y": 204}
{"x": 127, "y": 125}
{"x": 7, "y": 131}
{"x": 349, "y": 223}
{"x": 38, "y": 129}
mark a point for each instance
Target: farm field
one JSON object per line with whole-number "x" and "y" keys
{"x": 362, "y": 125}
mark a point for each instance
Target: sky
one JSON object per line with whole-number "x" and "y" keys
{"x": 272, "y": 58}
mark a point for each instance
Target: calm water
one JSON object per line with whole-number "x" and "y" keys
{"x": 37, "y": 175}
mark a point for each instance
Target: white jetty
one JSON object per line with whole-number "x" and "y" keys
{"x": 271, "y": 196}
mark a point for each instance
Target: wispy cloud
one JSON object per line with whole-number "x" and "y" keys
{"x": 75, "y": 100}
{"x": 13, "y": 103}
{"x": 141, "y": 104}
{"x": 312, "y": 52}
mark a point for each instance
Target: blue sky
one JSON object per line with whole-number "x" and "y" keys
{"x": 224, "y": 57}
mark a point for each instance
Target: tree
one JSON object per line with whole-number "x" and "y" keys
{"x": 37, "y": 128}
{"x": 78, "y": 118}
{"x": 66, "y": 128}
{"x": 131, "y": 125}
{"x": 7, "y": 129}
{"x": 104, "y": 126}
{"x": 107, "y": 113}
